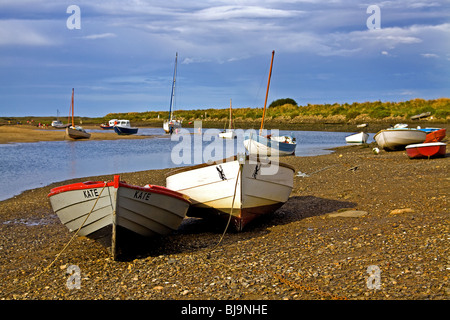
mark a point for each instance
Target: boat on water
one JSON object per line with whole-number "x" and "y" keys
{"x": 123, "y": 127}
{"x": 100, "y": 209}
{"x": 73, "y": 131}
{"x": 172, "y": 124}
{"x": 229, "y": 133}
{"x": 109, "y": 126}
{"x": 269, "y": 145}
{"x": 398, "y": 138}
{"x": 238, "y": 189}
{"x": 360, "y": 137}
{"x": 426, "y": 150}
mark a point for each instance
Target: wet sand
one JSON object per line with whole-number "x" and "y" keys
{"x": 353, "y": 212}
{"x": 24, "y": 133}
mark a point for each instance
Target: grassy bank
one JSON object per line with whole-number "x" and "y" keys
{"x": 325, "y": 117}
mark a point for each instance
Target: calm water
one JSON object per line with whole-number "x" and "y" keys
{"x": 26, "y": 166}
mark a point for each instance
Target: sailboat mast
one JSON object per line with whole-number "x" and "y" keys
{"x": 267, "y": 93}
{"x": 73, "y": 125}
{"x": 231, "y": 119}
{"x": 173, "y": 87}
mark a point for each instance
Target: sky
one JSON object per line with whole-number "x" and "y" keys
{"x": 119, "y": 55}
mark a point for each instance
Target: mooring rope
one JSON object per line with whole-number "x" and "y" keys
{"x": 231, "y": 210}
{"x": 65, "y": 247}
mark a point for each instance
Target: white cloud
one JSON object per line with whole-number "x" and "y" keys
{"x": 22, "y": 33}
{"x": 99, "y": 36}
{"x": 245, "y": 12}
{"x": 429, "y": 55}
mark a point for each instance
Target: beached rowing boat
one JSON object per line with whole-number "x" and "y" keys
{"x": 399, "y": 138}
{"x": 426, "y": 150}
{"x": 360, "y": 137}
{"x": 434, "y": 134}
{"x": 237, "y": 189}
{"x": 96, "y": 209}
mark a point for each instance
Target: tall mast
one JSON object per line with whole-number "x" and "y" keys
{"x": 173, "y": 87}
{"x": 267, "y": 93}
{"x": 231, "y": 119}
{"x": 73, "y": 125}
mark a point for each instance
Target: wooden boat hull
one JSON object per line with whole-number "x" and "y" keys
{"x": 229, "y": 134}
{"x": 125, "y": 130}
{"x": 436, "y": 135}
{"x": 426, "y": 150}
{"x": 96, "y": 208}
{"x": 397, "y": 139}
{"x": 77, "y": 134}
{"x": 262, "y": 146}
{"x": 212, "y": 187}
{"x": 176, "y": 124}
{"x": 360, "y": 137}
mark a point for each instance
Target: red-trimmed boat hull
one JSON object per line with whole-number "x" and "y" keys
{"x": 436, "y": 136}
{"x": 426, "y": 150}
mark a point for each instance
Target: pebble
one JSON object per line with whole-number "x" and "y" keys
{"x": 302, "y": 251}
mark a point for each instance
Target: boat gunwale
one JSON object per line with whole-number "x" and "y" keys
{"x": 225, "y": 160}
{"x": 99, "y": 184}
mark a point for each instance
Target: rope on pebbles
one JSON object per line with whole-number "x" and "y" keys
{"x": 33, "y": 278}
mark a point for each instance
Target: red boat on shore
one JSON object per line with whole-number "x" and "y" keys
{"x": 426, "y": 150}
{"x": 436, "y": 136}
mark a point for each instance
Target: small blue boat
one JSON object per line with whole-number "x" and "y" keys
{"x": 123, "y": 127}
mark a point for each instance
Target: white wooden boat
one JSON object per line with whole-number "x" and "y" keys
{"x": 398, "y": 138}
{"x": 229, "y": 133}
{"x": 270, "y": 145}
{"x": 96, "y": 209}
{"x": 76, "y": 132}
{"x": 172, "y": 124}
{"x": 259, "y": 188}
{"x": 360, "y": 137}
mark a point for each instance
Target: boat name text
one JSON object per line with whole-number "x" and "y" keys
{"x": 141, "y": 195}
{"x": 91, "y": 193}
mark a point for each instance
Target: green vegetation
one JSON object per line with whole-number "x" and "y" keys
{"x": 281, "y": 102}
{"x": 283, "y": 114}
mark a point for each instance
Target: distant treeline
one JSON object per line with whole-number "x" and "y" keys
{"x": 281, "y": 111}
{"x": 287, "y": 109}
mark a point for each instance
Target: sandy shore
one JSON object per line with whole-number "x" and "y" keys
{"x": 354, "y": 212}
{"x": 24, "y": 133}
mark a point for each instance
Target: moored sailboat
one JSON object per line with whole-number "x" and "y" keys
{"x": 76, "y": 132}
{"x": 172, "y": 124}
{"x": 269, "y": 145}
{"x": 229, "y": 134}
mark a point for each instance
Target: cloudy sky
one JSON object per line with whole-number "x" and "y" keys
{"x": 119, "y": 55}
